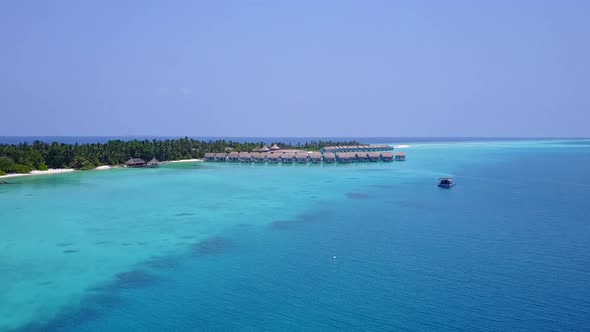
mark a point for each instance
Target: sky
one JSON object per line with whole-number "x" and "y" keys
{"x": 391, "y": 68}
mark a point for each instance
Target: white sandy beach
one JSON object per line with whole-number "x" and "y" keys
{"x": 103, "y": 167}
{"x": 47, "y": 172}
{"x": 185, "y": 160}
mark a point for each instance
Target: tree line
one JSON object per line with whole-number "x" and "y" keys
{"x": 24, "y": 157}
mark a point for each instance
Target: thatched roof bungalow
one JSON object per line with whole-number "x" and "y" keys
{"x": 301, "y": 158}
{"x": 245, "y": 157}
{"x": 220, "y": 157}
{"x": 233, "y": 157}
{"x": 357, "y": 148}
{"x": 273, "y": 158}
{"x": 373, "y": 156}
{"x": 329, "y": 157}
{"x": 154, "y": 163}
{"x": 287, "y": 158}
{"x": 275, "y": 147}
{"x": 315, "y": 157}
{"x": 209, "y": 156}
{"x": 258, "y": 157}
{"x": 400, "y": 156}
{"x": 264, "y": 148}
{"x": 135, "y": 162}
{"x": 362, "y": 156}
{"x": 346, "y": 157}
{"x": 387, "y": 156}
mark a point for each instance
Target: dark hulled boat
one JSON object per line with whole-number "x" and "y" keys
{"x": 446, "y": 183}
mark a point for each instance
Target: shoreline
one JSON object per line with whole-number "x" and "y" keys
{"x": 36, "y": 173}
{"x": 53, "y": 171}
{"x": 183, "y": 161}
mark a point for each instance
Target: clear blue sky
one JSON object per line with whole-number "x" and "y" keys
{"x": 295, "y": 68}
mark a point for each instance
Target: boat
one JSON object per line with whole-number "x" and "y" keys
{"x": 446, "y": 183}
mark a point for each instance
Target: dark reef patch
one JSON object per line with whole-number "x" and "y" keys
{"x": 283, "y": 224}
{"x": 184, "y": 214}
{"x": 101, "y": 243}
{"x": 91, "y": 308}
{"x": 357, "y": 196}
{"x": 213, "y": 246}
{"x": 68, "y": 318}
{"x": 169, "y": 262}
{"x": 70, "y": 251}
{"x": 187, "y": 237}
{"x": 134, "y": 279}
{"x": 64, "y": 244}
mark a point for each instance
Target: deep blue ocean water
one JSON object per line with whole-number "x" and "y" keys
{"x": 374, "y": 247}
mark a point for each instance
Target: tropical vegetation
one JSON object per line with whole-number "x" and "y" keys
{"x": 24, "y": 157}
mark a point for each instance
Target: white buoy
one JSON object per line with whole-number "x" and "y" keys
{"x": 334, "y": 257}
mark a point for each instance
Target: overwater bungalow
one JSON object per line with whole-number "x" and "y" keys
{"x": 363, "y": 157}
{"x": 373, "y": 156}
{"x": 220, "y": 157}
{"x": 329, "y": 157}
{"x": 135, "y": 162}
{"x": 301, "y": 158}
{"x": 400, "y": 156}
{"x": 245, "y": 157}
{"x": 315, "y": 157}
{"x": 154, "y": 163}
{"x": 275, "y": 147}
{"x": 273, "y": 158}
{"x": 258, "y": 157}
{"x": 287, "y": 158}
{"x": 357, "y": 148}
{"x": 233, "y": 157}
{"x": 386, "y": 156}
{"x": 209, "y": 156}
{"x": 345, "y": 157}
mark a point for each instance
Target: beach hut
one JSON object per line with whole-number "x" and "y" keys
{"x": 233, "y": 157}
{"x": 373, "y": 156}
{"x": 264, "y": 149}
{"x": 301, "y": 158}
{"x": 245, "y": 157}
{"x": 154, "y": 163}
{"x": 220, "y": 157}
{"x": 315, "y": 157}
{"x": 275, "y": 147}
{"x": 329, "y": 157}
{"x": 135, "y": 162}
{"x": 209, "y": 156}
{"x": 386, "y": 156}
{"x": 400, "y": 156}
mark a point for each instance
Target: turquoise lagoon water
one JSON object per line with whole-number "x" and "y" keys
{"x": 198, "y": 246}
